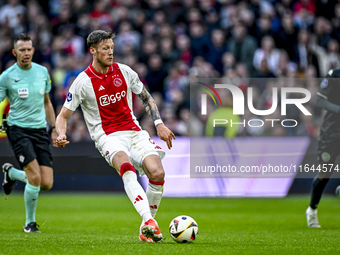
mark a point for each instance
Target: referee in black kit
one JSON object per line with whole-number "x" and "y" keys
{"x": 329, "y": 141}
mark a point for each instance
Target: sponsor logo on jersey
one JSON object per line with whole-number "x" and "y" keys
{"x": 325, "y": 156}
{"x": 106, "y": 99}
{"x": 23, "y": 93}
{"x": 117, "y": 82}
{"x": 152, "y": 141}
{"x": 69, "y": 97}
{"x": 21, "y": 158}
{"x": 101, "y": 88}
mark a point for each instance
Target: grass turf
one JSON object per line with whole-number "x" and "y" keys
{"x": 108, "y": 224}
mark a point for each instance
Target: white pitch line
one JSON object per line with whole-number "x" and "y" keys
{"x": 235, "y": 154}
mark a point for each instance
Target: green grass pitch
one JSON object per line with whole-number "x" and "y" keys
{"x": 108, "y": 224}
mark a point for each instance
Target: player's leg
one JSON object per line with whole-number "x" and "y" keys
{"x": 14, "y": 173}
{"x": 31, "y": 195}
{"x": 153, "y": 168}
{"x": 18, "y": 141}
{"x": 11, "y": 175}
{"x": 44, "y": 158}
{"x": 46, "y": 177}
{"x": 326, "y": 161}
{"x": 146, "y": 156}
{"x": 132, "y": 187}
{"x": 135, "y": 193}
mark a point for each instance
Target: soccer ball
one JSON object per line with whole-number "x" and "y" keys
{"x": 337, "y": 191}
{"x": 183, "y": 229}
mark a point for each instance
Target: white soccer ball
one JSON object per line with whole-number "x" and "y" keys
{"x": 183, "y": 229}
{"x": 337, "y": 191}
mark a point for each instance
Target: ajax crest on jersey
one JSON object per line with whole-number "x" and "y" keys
{"x": 117, "y": 82}
{"x": 183, "y": 229}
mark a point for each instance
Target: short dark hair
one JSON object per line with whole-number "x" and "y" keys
{"x": 97, "y": 36}
{"x": 22, "y": 37}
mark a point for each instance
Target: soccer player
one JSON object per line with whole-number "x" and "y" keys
{"x": 27, "y": 84}
{"x": 104, "y": 92}
{"x": 328, "y": 146}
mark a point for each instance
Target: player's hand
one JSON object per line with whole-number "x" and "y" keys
{"x": 54, "y": 136}
{"x": 61, "y": 141}
{"x": 165, "y": 134}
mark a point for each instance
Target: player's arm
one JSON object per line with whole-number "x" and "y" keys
{"x": 151, "y": 109}
{"x": 326, "y": 90}
{"x": 61, "y": 126}
{"x": 322, "y": 102}
{"x": 50, "y": 115}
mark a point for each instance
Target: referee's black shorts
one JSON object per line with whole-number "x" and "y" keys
{"x": 29, "y": 144}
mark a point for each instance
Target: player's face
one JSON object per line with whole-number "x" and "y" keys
{"x": 23, "y": 51}
{"x": 104, "y": 53}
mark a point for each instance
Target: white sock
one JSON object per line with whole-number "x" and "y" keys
{"x": 136, "y": 195}
{"x": 154, "y": 193}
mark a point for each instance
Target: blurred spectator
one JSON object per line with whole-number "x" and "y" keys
{"x": 262, "y": 76}
{"x": 199, "y": 40}
{"x": 304, "y": 13}
{"x": 217, "y": 47}
{"x": 12, "y": 13}
{"x": 168, "y": 53}
{"x": 267, "y": 52}
{"x": 327, "y": 58}
{"x": 286, "y": 36}
{"x": 263, "y": 28}
{"x": 242, "y": 46}
{"x": 127, "y": 36}
{"x": 149, "y": 47}
{"x": 303, "y": 55}
{"x": 322, "y": 30}
{"x": 184, "y": 48}
{"x": 100, "y": 12}
{"x": 156, "y": 75}
{"x": 228, "y": 60}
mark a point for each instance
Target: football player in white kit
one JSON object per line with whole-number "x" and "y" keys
{"x": 104, "y": 92}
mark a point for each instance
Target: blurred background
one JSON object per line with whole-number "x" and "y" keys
{"x": 170, "y": 42}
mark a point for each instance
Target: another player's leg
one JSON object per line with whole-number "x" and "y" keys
{"x": 318, "y": 186}
{"x": 11, "y": 175}
{"x": 31, "y": 194}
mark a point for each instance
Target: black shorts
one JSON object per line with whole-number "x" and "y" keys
{"x": 29, "y": 144}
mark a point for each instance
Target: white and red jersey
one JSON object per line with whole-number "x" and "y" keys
{"x": 106, "y": 99}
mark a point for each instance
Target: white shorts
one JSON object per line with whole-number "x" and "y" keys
{"x": 136, "y": 144}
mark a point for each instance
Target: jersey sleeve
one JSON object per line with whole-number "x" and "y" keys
{"x": 135, "y": 83}
{"x": 48, "y": 83}
{"x": 3, "y": 89}
{"x": 327, "y": 85}
{"x": 73, "y": 98}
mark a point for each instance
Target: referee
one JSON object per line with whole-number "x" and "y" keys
{"x": 27, "y": 85}
{"x": 329, "y": 141}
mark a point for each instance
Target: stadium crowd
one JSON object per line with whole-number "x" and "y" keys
{"x": 169, "y": 42}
